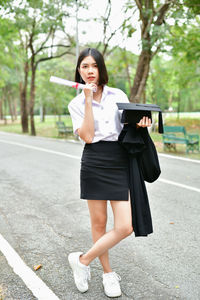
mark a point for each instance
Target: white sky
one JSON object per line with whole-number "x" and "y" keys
{"x": 93, "y": 31}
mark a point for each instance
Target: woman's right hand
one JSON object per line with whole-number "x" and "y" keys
{"x": 89, "y": 89}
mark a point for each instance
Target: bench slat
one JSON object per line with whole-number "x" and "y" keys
{"x": 170, "y": 138}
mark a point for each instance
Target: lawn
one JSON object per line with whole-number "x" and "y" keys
{"x": 49, "y": 129}
{"x": 45, "y": 129}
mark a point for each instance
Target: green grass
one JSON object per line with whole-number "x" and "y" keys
{"x": 45, "y": 129}
{"x": 49, "y": 129}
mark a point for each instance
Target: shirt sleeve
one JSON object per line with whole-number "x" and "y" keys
{"x": 76, "y": 116}
{"x": 123, "y": 97}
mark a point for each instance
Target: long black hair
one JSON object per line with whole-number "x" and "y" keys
{"x": 98, "y": 57}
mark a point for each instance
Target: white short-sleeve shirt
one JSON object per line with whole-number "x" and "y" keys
{"x": 107, "y": 117}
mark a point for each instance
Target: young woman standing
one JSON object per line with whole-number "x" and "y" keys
{"x": 104, "y": 168}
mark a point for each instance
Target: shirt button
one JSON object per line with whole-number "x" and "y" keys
{"x": 107, "y": 122}
{"x": 102, "y": 108}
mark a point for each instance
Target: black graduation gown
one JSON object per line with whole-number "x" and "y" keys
{"x": 143, "y": 165}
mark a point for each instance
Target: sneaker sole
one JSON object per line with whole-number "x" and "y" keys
{"x": 111, "y": 296}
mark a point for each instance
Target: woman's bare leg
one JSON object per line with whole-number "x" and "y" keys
{"x": 122, "y": 228}
{"x": 98, "y": 218}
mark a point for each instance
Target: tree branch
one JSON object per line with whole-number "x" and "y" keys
{"x": 46, "y": 39}
{"x": 139, "y": 5}
{"x": 30, "y": 45}
{"x": 58, "y": 45}
{"x": 52, "y": 57}
{"x": 161, "y": 11}
{"x": 156, "y": 51}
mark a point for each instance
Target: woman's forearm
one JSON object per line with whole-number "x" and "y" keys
{"x": 86, "y": 131}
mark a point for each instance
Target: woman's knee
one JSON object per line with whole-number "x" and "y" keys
{"x": 99, "y": 223}
{"x": 124, "y": 230}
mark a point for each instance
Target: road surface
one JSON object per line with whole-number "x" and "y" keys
{"x": 42, "y": 220}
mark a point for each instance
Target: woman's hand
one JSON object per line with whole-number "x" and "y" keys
{"x": 144, "y": 122}
{"x": 89, "y": 90}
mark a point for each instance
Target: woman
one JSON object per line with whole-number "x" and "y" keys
{"x": 104, "y": 168}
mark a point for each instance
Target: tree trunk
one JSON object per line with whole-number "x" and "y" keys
{"x": 10, "y": 108}
{"x": 23, "y": 100}
{"x": 32, "y": 96}
{"x": 5, "y": 110}
{"x": 43, "y": 113}
{"x": 179, "y": 105}
{"x": 141, "y": 76}
{"x": 170, "y": 99}
{"x": 1, "y": 109}
{"x": 15, "y": 108}
{"x": 150, "y": 16}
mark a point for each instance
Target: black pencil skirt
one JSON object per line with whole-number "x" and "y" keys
{"x": 104, "y": 172}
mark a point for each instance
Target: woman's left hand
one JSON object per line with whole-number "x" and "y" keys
{"x": 144, "y": 122}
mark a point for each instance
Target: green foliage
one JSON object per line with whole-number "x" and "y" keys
{"x": 185, "y": 41}
{"x": 9, "y": 59}
{"x": 174, "y": 83}
{"x": 118, "y": 63}
{"x": 174, "y": 76}
{"x": 54, "y": 97}
{"x": 193, "y": 5}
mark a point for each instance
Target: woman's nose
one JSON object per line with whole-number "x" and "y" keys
{"x": 90, "y": 70}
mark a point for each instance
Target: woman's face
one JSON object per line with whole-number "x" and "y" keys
{"x": 89, "y": 70}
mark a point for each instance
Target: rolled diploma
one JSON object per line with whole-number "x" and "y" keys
{"x": 75, "y": 85}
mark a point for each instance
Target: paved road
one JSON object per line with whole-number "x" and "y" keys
{"x": 43, "y": 219}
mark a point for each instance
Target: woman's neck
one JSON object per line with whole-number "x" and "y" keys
{"x": 98, "y": 94}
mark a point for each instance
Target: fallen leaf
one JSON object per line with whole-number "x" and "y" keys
{"x": 37, "y": 267}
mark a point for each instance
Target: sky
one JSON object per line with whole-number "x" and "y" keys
{"x": 93, "y": 31}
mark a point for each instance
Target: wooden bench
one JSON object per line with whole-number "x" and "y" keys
{"x": 63, "y": 129}
{"x": 177, "y": 135}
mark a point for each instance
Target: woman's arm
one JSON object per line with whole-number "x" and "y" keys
{"x": 86, "y": 131}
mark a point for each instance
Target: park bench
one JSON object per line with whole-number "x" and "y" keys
{"x": 63, "y": 129}
{"x": 177, "y": 135}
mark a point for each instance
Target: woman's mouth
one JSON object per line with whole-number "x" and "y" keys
{"x": 91, "y": 78}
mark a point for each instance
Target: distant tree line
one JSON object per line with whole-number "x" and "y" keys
{"x": 35, "y": 43}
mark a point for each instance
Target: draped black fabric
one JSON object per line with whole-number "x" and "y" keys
{"x": 142, "y": 156}
{"x": 148, "y": 158}
{"x": 141, "y": 214}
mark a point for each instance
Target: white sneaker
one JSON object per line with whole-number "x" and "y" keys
{"x": 111, "y": 284}
{"x": 81, "y": 272}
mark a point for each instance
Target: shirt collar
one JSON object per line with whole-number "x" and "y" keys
{"x": 106, "y": 91}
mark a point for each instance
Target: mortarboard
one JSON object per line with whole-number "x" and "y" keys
{"x": 134, "y": 112}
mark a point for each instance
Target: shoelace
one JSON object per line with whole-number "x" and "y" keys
{"x": 87, "y": 274}
{"x": 117, "y": 276}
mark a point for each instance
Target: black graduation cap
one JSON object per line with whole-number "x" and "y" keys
{"x": 134, "y": 112}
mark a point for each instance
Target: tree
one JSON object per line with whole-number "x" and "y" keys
{"x": 152, "y": 15}
{"x": 41, "y": 21}
{"x": 37, "y": 23}
{"x": 121, "y": 66}
{"x": 51, "y": 97}
{"x": 9, "y": 69}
